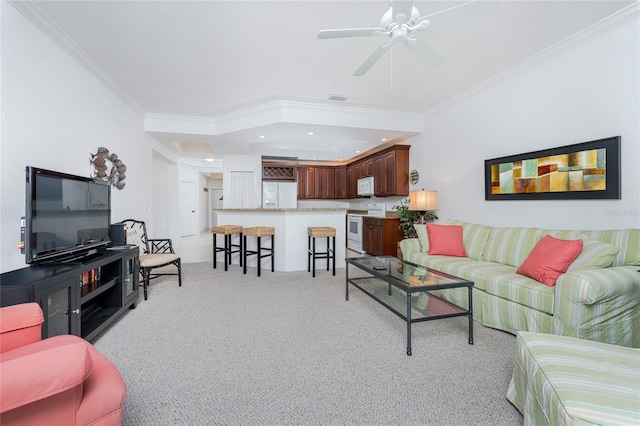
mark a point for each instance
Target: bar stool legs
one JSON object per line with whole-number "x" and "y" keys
{"x": 329, "y": 254}
{"x": 227, "y": 231}
{"x": 259, "y": 232}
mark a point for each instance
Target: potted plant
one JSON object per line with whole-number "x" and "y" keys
{"x": 409, "y": 217}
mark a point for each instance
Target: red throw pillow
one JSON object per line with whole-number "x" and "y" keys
{"x": 446, "y": 240}
{"x": 549, "y": 259}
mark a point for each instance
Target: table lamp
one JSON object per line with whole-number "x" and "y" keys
{"x": 423, "y": 201}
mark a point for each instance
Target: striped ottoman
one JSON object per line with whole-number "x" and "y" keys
{"x": 561, "y": 380}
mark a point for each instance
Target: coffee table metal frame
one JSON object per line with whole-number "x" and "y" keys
{"x": 411, "y": 279}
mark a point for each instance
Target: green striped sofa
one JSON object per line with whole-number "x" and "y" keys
{"x": 598, "y": 298}
{"x": 560, "y": 380}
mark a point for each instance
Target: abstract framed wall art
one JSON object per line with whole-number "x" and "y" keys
{"x": 588, "y": 170}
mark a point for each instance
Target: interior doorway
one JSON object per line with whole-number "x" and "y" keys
{"x": 187, "y": 209}
{"x": 216, "y": 203}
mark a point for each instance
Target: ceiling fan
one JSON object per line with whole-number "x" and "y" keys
{"x": 401, "y": 22}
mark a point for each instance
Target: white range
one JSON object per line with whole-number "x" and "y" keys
{"x": 354, "y": 225}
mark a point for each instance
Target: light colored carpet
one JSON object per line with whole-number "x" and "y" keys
{"x": 285, "y": 348}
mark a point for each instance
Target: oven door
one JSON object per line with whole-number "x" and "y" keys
{"x": 354, "y": 228}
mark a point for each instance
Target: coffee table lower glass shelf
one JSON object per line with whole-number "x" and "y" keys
{"x": 404, "y": 288}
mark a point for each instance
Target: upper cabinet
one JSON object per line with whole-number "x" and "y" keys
{"x": 389, "y": 168}
{"x": 325, "y": 183}
{"x": 352, "y": 181}
{"x": 306, "y": 183}
{"x": 340, "y": 180}
{"x": 391, "y": 172}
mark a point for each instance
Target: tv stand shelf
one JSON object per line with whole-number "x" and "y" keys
{"x": 88, "y": 294}
{"x": 80, "y": 298}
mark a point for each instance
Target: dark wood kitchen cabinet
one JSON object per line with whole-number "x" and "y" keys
{"x": 380, "y": 236}
{"x": 324, "y": 182}
{"x": 340, "y": 182}
{"x": 389, "y": 168}
{"x": 391, "y": 172}
{"x": 352, "y": 181}
{"x": 306, "y": 178}
{"x": 369, "y": 167}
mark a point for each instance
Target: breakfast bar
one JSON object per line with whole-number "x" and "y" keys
{"x": 290, "y": 241}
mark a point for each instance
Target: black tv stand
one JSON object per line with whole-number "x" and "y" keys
{"x": 75, "y": 259}
{"x": 81, "y": 297}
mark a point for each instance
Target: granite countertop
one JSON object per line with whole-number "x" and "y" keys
{"x": 381, "y": 217}
{"x": 389, "y": 214}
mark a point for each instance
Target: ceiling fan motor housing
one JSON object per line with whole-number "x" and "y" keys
{"x": 399, "y": 26}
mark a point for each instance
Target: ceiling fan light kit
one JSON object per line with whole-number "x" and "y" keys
{"x": 401, "y": 22}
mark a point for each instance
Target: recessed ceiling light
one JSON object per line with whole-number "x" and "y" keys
{"x": 357, "y": 152}
{"x": 209, "y": 160}
{"x": 310, "y": 133}
{"x": 384, "y": 139}
{"x": 261, "y": 136}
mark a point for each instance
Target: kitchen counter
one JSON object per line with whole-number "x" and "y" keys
{"x": 290, "y": 242}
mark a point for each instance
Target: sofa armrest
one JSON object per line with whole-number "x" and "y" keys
{"x": 599, "y": 304}
{"x": 39, "y": 375}
{"x": 409, "y": 246}
{"x": 20, "y": 325}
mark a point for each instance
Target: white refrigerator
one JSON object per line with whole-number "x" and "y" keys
{"x": 279, "y": 195}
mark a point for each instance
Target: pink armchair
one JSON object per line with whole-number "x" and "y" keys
{"x": 62, "y": 380}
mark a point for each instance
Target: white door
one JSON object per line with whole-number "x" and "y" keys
{"x": 240, "y": 190}
{"x": 187, "y": 209}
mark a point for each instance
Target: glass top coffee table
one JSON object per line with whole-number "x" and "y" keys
{"x": 403, "y": 288}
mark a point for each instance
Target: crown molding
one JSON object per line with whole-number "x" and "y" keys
{"x": 37, "y": 17}
{"x": 592, "y": 32}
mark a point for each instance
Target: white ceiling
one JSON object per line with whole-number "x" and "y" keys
{"x": 214, "y": 76}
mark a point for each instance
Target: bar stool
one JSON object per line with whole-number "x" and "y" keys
{"x": 227, "y": 231}
{"x": 318, "y": 232}
{"x": 259, "y": 232}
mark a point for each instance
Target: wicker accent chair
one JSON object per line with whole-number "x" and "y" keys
{"x": 154, "y": 253}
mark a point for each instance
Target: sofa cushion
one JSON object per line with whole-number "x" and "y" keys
{"x": 423, "y": 237}
{"x": 474, "y": 237}
{"x": 445, "y": 240}
{"x": 520, "y": 289}
{"x": 509, "y": 246}
{"x": 463, "y": 267}
{"x": 550, "y": 258}
{"x": 594, "y": 255}
{"x": 627, "y": 241}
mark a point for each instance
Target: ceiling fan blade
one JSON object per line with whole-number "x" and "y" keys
{"x": 350, "y": 32}
{"x": 425, "y": 52}
{"x": 401, "y": 7}
{"x": 375, "y": 56}
{"x": 462, "y": 12}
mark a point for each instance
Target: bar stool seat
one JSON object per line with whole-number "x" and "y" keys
{"x": 259, "y": 232}
{"x": 321, "y": 232}
{"x": 227, "y": 231}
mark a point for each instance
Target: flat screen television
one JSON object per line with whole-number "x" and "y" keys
{"x": 66, "y": 217}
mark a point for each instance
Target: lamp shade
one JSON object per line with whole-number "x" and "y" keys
{"x": 423, "y": 200}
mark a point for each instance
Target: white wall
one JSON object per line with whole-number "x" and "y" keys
{"x": 54, "y": 114}
{"x": 163, "y": 222}
{"x": 588, "y": 93}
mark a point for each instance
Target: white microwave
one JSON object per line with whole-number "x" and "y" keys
{"x": 365, "y": 186}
